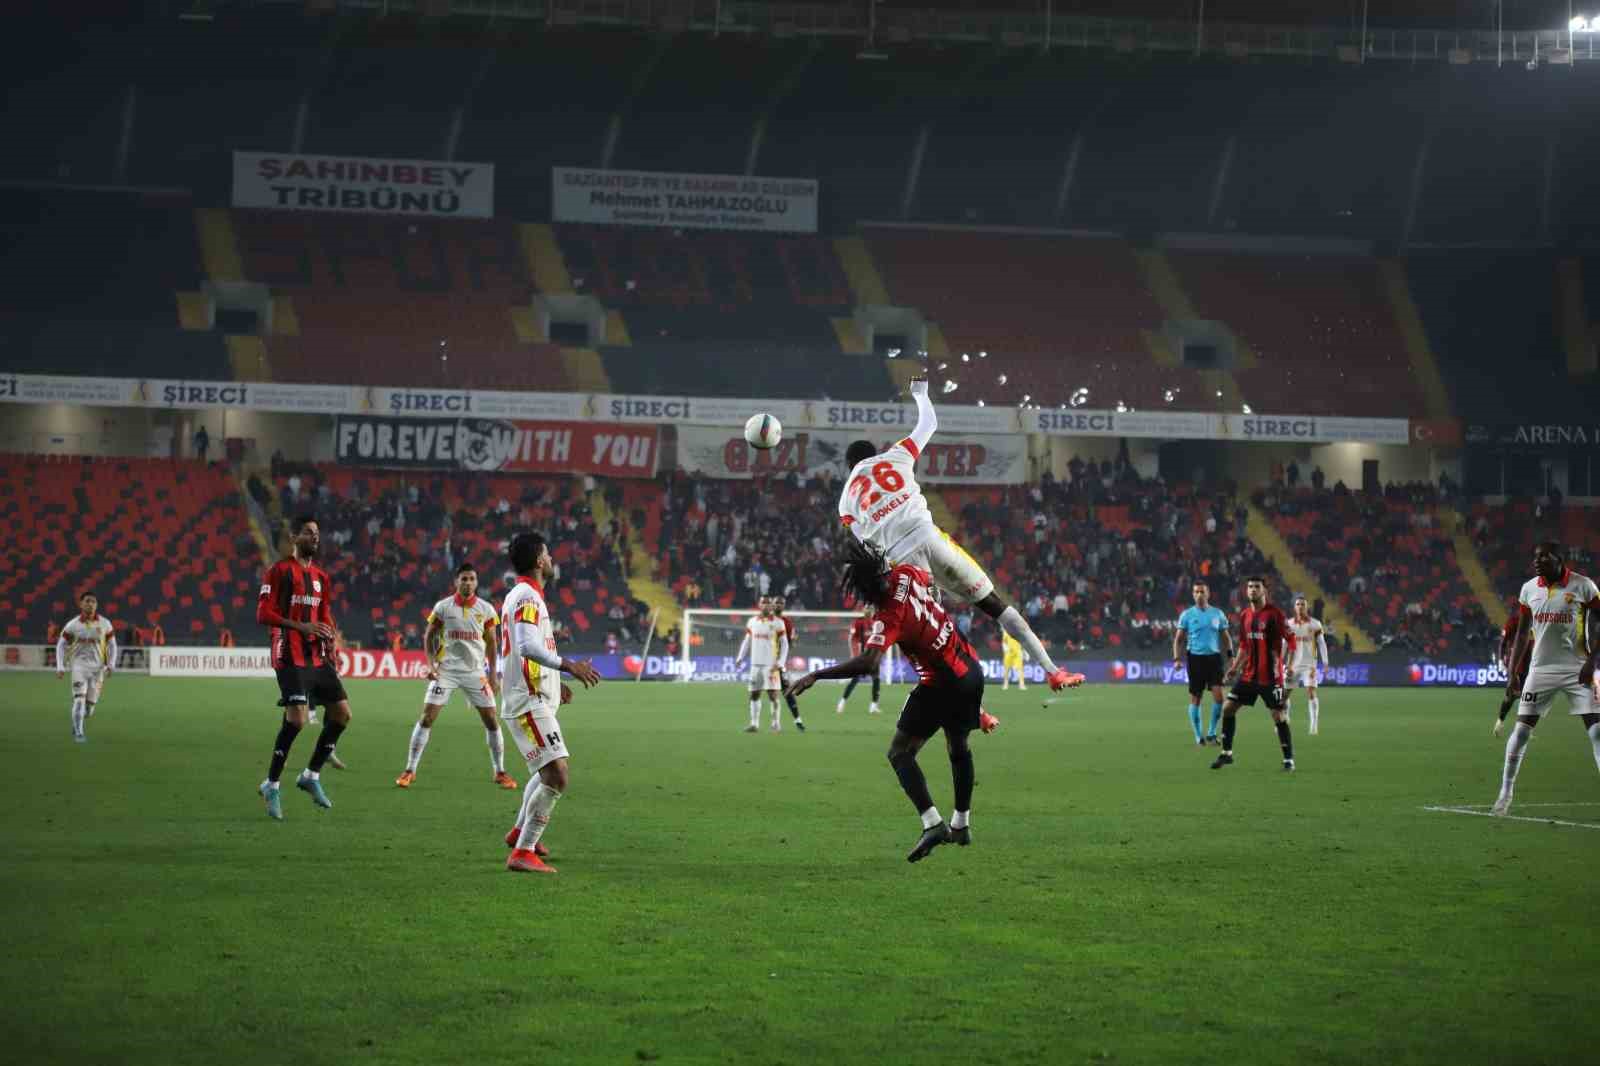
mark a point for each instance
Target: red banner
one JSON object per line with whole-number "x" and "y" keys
{"x": 585, "y": 447}
{"x": 368, "y": 665}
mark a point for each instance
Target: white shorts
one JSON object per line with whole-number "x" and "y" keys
{"x": 475, "y": 687}
{"x": 1305, "y": 676}
{"x": 87, "y": 680}
{"x": 1535, "y": 703}
{"x": 538, "y": 736}
{"x": 951, "y": 567}
{"x": 764, "y": 679}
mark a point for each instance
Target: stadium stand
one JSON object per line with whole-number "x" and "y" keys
{"x": 1389, "y": 560}
{"x": 165, "y": 545}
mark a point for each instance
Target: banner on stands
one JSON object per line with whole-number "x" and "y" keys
{"x": 683, "y": 201}
{"x": 949, "y": 459}
{"x": 411, "y": 187}
{"x": 211, "y": 662}
{"x": 1316, "y": 429}
{"x": 499, "y": 445}
{"x": 1536, "y": 435}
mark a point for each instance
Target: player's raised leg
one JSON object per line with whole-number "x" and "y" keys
{"x": 903, "y": 760}
{"x": 336, "y": 720}
{"x": 293, "y": 702}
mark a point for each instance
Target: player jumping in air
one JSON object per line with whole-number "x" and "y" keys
{"x": 532, "y": 692}
{"x": 294, "y": 605}
{"x": 860, "y": 629}
{"x": 883, "y": 505}
{"x": 88, "y": 646}
{"x": 767, "y": 643}
{"x": 1559, "y": 612}
{"x": 778, "y": 604}
{"x": 1310, "y": 648}
{"x": 1202, "y": 635}
{"x": 1257, "y": 671}
{"x": 949, "y": 695}
{"x": 460, "y": 641}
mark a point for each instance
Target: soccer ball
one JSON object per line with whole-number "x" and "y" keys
{"x": 763, "y": 431}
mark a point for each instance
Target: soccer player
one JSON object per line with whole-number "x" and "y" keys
{"x": 532, "y": 692}
{"x": 88, "y": 643}
{"x": 768, "y": 645}
{"x": 1309, "y": 648}
{"x": 783, "y": 681}
{"x": 1011, "y": 661}
{"x": 860, "y": 628}
{"x": 460, "y": 641}
{"x": 883, "y": 505}
{"x": 294, "y": 605}
{"x": 1517, "y": 671}
{"x": 948, "y": 696}
{"x": 1257, "y": 671}
{"x": 1559, "y": 612}
{"x": 1203, "y": 635}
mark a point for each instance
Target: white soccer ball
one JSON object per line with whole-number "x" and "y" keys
{"x": 763, "y": 431}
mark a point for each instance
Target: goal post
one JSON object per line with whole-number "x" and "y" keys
{"x": 821, "y": 639}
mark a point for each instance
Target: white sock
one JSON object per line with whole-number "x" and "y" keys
{"x": 1312, "y": 708}
{"x": 1514, "y": 751}
{"x": 497, "y": 748}
{"x": 527, "y": 797}
{"x": 77, "y": 718}
{"x": 1013, "y": 623}
{"x": 931, "y": 818}
{"x": 268, "y": 783}
{"x": 873, "y": 707}
{"x": 308, "y": 774}
{"x": 755, "y": 712}
{"x": 88, "y": 711}
{"x": 1594, "y": 740}
{"x": 840, "y": 708}
{"x": 777, "y": 721}
{"x": 419, "y": 740}
{"x": 959, "y": 819}
{"x": 538, "y": 810}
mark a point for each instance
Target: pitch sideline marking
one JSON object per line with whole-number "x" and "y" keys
{"x": 1517, "y": 818}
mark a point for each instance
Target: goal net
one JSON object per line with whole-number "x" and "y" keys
{"x": 712, "y": 635}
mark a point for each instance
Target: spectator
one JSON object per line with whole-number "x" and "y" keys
{"x": 1293, "y": 473}
{"x": 202, "y": 442}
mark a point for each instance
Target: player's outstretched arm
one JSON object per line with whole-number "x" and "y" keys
{"x": 865, "y": 663}
{"x": 927, "y": 421}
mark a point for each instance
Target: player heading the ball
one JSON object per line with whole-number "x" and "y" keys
{"x": 883, "y": 505}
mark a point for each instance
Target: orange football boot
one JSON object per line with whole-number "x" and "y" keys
{"x": 1062, "y": 679}
{"x": 405, "y": 779}
{"x": 527, "y": 862}
{"x": 505, "y": 780}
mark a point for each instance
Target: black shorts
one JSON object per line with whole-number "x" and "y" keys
{"x": 314, "y": 686}
{"x": 951, "y": 705}
{"x": 1245, "y": 692}
{"x": 1205, "y": 671}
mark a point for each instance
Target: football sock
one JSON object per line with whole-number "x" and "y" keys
{"x": 326, "y": 740}
{"x": 1229, "y": 724}
{"x": 77, "y": 717}
{"x": 1194, "y": 720}
{"x": 540, "y": 804}
{"x": 794, "y": 705}
{"x": 527, "y": 797}
{"x": 1284, "y": 740}
{"x": 1515, "y": 745}
{"x": 1311, "y": 710}
{"x": 1594, "y": 741}
{"x": 1013, "y": 623}
{"x": 960, "y": 819}
{"x": 851, "y": 687}
{"x": 930, "y": 817}
{"x": 1216, "y": 716}
{"x": 419, "y": 740}
{"x": 874, "y": 688}
{"x": 280, "y": 750}
{"x": 913, "y": 784}
{"x": 963, "y": 774}
{"x": 755, "y": 712}
{"x": 497, "y": 748}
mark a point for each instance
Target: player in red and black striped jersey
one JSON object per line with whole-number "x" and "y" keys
{"x": 1258, "y": 670}
{"x": 295, "y": 606}
{"x": 860, "y": 629}
{"x": 948, "y": 697}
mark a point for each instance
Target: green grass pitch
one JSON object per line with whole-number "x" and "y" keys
{"x": 733, "y": 898}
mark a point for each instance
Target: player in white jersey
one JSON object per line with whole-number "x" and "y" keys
{"x": 883, "y": 505}
{"x": 1559, "y": 613}
{"x": 461, "y": 644}
{"x": 88, "y": 646}
{"x": 766, "y": 640}
{"x": 1310, "y": 649}
{"x": 531, "y": 692}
